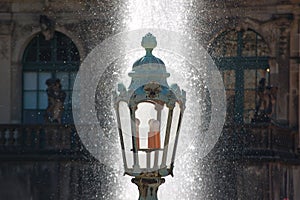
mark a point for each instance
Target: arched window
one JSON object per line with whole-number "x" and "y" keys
{"x": 241, "y": 56}
{"x": 44, "y": 59}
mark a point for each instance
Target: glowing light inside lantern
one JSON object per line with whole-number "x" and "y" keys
{"x": 154, "y": 134}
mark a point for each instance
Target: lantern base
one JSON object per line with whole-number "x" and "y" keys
{"x": 148, "y": 187}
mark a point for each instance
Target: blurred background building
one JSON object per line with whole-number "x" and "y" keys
{"x": 255, "y": 44}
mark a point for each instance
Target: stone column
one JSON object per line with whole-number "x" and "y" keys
{"x": 298, "y": 62}
{"x": 16, "y": 95}
{"x": 64, "y": 181}
{"x": 296, "y": 181}
{"x": 298, "y": 105}
{"x": 5, "y": 71}
{"x": 282, "y": 56}
{"x": 294, "y": 73}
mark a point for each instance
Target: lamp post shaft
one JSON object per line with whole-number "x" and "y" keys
{"x": 148, "y": 187}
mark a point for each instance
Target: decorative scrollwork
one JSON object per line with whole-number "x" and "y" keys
{"x": 152, "y": 89}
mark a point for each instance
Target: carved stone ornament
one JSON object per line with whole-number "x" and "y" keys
{"x": 47, "y": 27}
{"x": 152, "y": 89}
{"x": 275, "y": 31}
{"x": 4, "y": 50}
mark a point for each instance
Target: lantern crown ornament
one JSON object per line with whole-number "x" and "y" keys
{"x": 149, "y": 115}
{"x": 148, "y": 68}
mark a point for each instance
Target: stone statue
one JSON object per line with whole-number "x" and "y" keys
{"x": 47, "y": 27}
{"x": 56, "y": 98}
{"x": 266, "y": 102}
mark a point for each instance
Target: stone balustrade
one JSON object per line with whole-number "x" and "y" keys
{"x": 267, "y": 141}
{"x": 255, "y": 140}
{"x": 34, "y": 139}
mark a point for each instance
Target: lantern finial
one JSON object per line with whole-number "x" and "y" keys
{"x": 149, "y": 43}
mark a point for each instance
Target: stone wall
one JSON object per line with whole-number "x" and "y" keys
{"x": 87, "y": 24}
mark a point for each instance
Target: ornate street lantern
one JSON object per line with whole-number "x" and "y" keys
{"x": 149, "y": 115}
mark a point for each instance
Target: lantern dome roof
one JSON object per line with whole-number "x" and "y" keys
{"x": 147, "y": 59}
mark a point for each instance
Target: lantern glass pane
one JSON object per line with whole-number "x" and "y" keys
{"x": 152, "y": 118}
{"x": 173, "y": 131}
{"x": 143, "y": 160}
{"x": 144, "y": 113}
{"x": 156, "y": 158}
{"x": 150, "y": 161}
{"x": 163, "y": 127}
{"x": 126, "y": 131}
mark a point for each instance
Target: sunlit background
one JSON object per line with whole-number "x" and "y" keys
{"x": 169, "y": 15}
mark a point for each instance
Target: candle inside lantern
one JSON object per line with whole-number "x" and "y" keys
{"x": 137, "y": 128}
{"x": 154, "y": 134}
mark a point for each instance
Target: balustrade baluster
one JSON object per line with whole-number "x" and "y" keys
{"x": 62, "y": 136}
{"x": 8, "y": 137}
{"x": 27, "y": 138}
{"x": 55, "y": 138}
{"x": 47, "y": 138}
{"x": 2, "y": 137}
{"x": 67, "y": 138}
{"x": 16, "y": 137}
{"x": 270, "y": 139}
{"x": 37, "y": 138}
{"x": 59, "y": 137}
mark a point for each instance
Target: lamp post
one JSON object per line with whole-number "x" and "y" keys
{"x": 149, "y": 115}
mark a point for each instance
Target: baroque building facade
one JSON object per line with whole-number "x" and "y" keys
{"x": 255, "y": 44}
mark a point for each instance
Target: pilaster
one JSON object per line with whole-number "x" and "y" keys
{"x": 5, "y": 70}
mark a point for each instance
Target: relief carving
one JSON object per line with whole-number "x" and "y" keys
{"x": 47, "y": 27}
{"x": 4, "y": 50}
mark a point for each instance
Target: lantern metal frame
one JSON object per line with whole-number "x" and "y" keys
{"x": 149, "y": 85}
